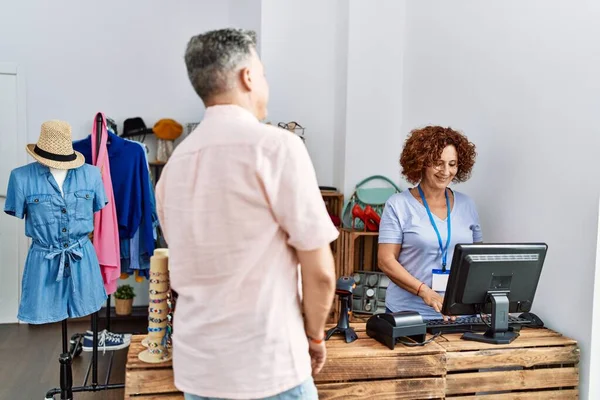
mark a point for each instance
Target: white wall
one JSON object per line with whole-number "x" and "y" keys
{"x": 342, "y": 29}
{"x": 122, "y": 58}
{"x": 319, "y": 62}
{"x": 521, "y": 80}
{"x": 376, "y": 44}
{"x": 298, "y": 49}
{"x": 246, "y": 14}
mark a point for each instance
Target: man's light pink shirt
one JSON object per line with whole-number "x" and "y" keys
{"x": 235, "y": 200}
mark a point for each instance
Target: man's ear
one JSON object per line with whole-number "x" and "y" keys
{"x": 246, "y": 78}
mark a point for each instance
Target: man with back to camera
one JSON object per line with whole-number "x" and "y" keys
{"x": 240, "y": 207}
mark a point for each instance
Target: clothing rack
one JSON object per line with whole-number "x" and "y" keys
{"x": 66, "y": 389}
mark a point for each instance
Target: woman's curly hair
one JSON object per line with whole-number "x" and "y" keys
{"x": 424, "y": 147}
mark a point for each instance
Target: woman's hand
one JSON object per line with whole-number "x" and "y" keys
{"x": 434, "y": 300}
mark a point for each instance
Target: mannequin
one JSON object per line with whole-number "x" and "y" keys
{"x": 59, "y": 176}
{"x": 57, "y": 195}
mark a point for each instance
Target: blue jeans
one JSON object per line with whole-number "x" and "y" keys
{"x": 304, "y": 391}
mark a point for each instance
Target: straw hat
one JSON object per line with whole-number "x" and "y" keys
{"x": 54, "y": 148}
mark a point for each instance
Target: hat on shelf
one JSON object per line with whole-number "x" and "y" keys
{"x": 54, "y": 148}
{"x": 134, "y": 127}
{"x": 167, "y": 129}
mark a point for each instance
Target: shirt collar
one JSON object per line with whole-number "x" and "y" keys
{"x": 42, "y": 169}
{"x": 116, "y": 143}
{"x": 229, "y": 111}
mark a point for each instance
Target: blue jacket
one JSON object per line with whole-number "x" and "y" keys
{"x": 131, "y": 186}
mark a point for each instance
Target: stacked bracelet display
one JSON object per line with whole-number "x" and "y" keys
{"x": 158, "y": 340}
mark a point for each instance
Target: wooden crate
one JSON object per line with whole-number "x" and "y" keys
{"x": 358, "y": 252}
{"x": 366, "y": 369}
{"x": 539, "y": 364}
{"x": 334, "y": 201}
{"x": 145, "y": 381}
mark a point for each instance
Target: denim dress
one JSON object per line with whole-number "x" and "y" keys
{"x": 61, "y": 278}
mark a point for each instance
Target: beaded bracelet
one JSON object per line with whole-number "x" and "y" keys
{"x": 158, "y": 273}
{"x": 156, "y": 351}
{"x": 150, "y": 329}
{"x": 157, "y": 300}
{"x": 156, "y": 310}
{"x": 152, "y": 291}
{"x": 156, "y": 320}
{"x": 158, "y": 280}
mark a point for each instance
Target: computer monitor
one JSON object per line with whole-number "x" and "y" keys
{"x": 495, "y": 279}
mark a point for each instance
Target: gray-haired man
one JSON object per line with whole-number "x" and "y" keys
{"x": 240, "y": 207}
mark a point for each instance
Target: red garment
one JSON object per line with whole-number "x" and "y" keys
{"x": 106, "y": 227}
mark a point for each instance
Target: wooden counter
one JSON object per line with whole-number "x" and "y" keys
{"x": 540, "y": 364}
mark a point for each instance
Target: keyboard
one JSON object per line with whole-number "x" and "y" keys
{"x": 469, "y": 324}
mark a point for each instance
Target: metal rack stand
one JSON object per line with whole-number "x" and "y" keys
{"x": 66, "y": 389}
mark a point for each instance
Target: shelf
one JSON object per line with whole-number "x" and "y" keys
{"x": 137, "y": 313}
{"x": 358, "y": 232}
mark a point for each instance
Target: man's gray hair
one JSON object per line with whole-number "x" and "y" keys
{"x": 212, "y": 57}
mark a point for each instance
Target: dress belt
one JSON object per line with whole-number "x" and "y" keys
{"x": 70, "y": 252}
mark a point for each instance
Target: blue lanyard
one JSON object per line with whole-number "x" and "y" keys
{"x": 444, "y": 250}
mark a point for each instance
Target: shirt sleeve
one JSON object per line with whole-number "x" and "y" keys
{"x": 475, "y": 224}
{"x": 100, "y": 199}
{"x": 390, "y": 229}
{"x": 15, "y": 203}
{"x": 291, "y": 187}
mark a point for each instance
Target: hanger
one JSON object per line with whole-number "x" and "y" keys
{"x": 111, "y": 125}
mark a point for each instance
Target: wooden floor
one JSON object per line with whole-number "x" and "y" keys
{"x": 29, "y": 364}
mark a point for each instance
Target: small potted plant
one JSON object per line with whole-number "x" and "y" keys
{"x": 124, "y": 300}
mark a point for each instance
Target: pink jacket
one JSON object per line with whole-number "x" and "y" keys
{"x": 106, "y": 227}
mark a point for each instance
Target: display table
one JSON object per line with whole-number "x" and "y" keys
{"x": 539, "y": 364}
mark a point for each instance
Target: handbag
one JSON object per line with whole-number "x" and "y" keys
{"x": 374, "y": 197}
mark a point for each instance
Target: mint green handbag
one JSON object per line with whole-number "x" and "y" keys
{"x": 375, "y": 197}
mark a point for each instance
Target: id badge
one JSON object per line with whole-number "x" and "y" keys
{"x": 440, "y": 280}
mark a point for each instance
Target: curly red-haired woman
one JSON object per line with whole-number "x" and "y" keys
{"x": 420, "y": 227}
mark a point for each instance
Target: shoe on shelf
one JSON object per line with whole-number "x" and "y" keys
{"x": 106, "y": 342}
{"x": 370, "y": 224}
{"x": 125, "y": 337}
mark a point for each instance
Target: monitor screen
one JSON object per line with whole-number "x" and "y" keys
{"x": 479, "y": 270}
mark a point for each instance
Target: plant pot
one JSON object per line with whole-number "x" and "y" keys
{"x": 123, "y": 306}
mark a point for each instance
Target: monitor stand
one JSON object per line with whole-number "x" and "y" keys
{"x": 499, "y": 332}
